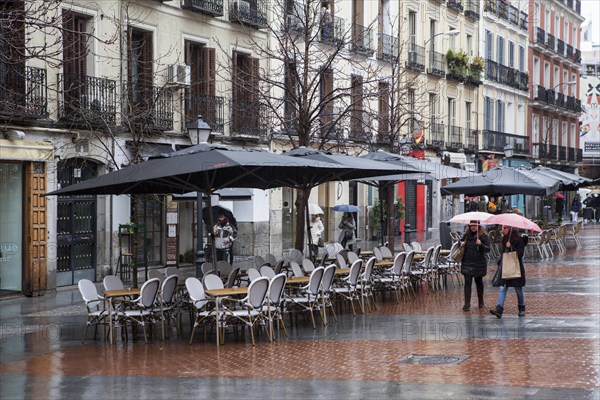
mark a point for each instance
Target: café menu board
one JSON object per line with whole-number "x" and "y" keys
{"x": 172, "y": 233}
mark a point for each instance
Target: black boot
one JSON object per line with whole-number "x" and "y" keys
{"x": 497, "y": 311}
{"x": 467, "y": 307}
{"x": 521, "y": 311}
{"x": 480, "y": 296}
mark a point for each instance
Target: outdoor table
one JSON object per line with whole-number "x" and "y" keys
{"x": 112, "y": 294}
{"x": 383, "y": 263}
{"x": 218, "y": 295}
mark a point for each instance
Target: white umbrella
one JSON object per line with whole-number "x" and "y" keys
{"x": 314, "y": 209}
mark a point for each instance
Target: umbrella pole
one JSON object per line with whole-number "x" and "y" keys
{"x": 210, "y": 229}
{"x": 308, "y": 225}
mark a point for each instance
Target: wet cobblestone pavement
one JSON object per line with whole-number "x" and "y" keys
{"x": 552, "y": 353}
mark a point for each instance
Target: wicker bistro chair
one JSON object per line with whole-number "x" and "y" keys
{"x": 205, "y": 315}
{"x": 266, "y": 270}
{"x": 308, "y": 298}
{"x": 346, "y": 288}
{"x": 249, "y": 311}
{"x": 144, "y": 309}
{"x": 327, "y": 291}
{"x": 421, "y": 272}
{"x": 169, "y": 305}
{"x": 386, "y": 253}
{"x": 447, "y": 267}
{"x": 406, "y": 278}
{"x": 232, "y": 278}
{"x": 296, "y": 270}
{"x": 95, "y": 304}
{"x": 352, "y": 256}
{"x": 390, "y": 279}
{"x": 365, "y": 285}
{"x": 274, "y": 306}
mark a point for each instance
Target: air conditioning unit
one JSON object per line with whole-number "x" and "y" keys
{"x": 179, "y": 75}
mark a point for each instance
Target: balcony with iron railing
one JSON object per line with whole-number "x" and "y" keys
{"x": 209, "y": 7}
{"x": 23, "y": 91}
{"x": 572, "y": 154}
{"x": 416, "y": 57}
{"x": 247, "y": 119}
{"x": 146, "y": 107}
{"x": 496, "y": 141}
{"x": 523, "y": 20}
{"x": 561, "y": 100}
{"x": 562, "y": 153}
{"x": 579, "y": 155}
{"x": 362, "y": 40}
{"x": 86, "y": 101}
{"x": 545, "y": 151}
{"x": 471, "y": 140}
{"x": 550, "y": 42}
{"x": 210, "y": 107}
{"x": 502, "y": 9}
{"x": 388, "y": 48}
{"x": 569, "y": 53}
{"x": 560, "y": 47}
{"x": 332, "y": 31}
{"x": 436, "y": 64}
{"x": 437, "y": 135}
{"x": 253, "y": 14}
{"x": 455, "y": 139}
{"x": 472, "y": 9}
{"x": 513, "y": 15}
{"x": 455, "y": 5}
{"x": 540, "y": 37}
{"x": 506, "y": 75}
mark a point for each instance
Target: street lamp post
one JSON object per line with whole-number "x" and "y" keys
{"x": 452, "y": 32}
{"x": 199, "y": 130}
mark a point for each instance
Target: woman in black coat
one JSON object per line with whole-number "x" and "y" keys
{"x": 474, "y": 264}
{"x": 512, "y": 241}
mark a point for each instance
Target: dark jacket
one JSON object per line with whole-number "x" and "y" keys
{"x": 474, "y": 262}
{"x": 517, "y": 245}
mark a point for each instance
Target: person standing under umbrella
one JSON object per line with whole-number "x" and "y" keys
{"x": 474, "y": 263}
{"x": 559, "y": 206}
{"x": 511, "y": 241}
{"x": 347, "y": 227}
{"x": 316, "y": 230}
{"x": 224, "y": 234}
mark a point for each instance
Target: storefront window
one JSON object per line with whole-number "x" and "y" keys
{"x": 11, "y": 227}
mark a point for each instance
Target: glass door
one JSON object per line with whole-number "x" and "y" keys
{"x": 11, "y": 227}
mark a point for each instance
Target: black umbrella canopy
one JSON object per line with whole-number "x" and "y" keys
{"x": 353, "y": 167}
{"x": 204, "y": 168}
{"x": 435, "y": 169}
{"x": 504, "y": 181}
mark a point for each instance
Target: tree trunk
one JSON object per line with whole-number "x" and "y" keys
{"x": 301, "y": 218}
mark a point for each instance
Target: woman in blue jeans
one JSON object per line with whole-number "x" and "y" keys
{"x": 512, "y": 241}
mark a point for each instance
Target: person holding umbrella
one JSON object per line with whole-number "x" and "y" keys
{"x": 511, "y": 240}
{"x": 347, "y": 227}
{"x": 474, "y": 264}
{"x": 316, "y": 230}
{"x": 224, "y": 234}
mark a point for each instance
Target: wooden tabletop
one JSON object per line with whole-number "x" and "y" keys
{"x": 298, "y": 280}
{"x": 241, "y": 291}
{"x": 122, "y": 292}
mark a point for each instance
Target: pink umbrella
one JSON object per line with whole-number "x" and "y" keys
{"x": 467, "y": 217}
{"x": 513, "y": 220}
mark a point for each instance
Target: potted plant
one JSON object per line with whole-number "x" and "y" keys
{"x": 458, "y": 64}
{"x": 476, "y": 68}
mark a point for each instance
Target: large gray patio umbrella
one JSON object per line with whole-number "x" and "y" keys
{"x": 567, "y": 180}
{"x": 435, "y": 169}
{"x": 354, "y": 168}
{"x": 205, "y": 168}
{"x": 504, "y": 181}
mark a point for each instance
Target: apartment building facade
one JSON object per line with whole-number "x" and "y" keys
{"x": 555, "y": 62}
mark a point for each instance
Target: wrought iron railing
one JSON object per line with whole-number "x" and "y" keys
{"x": 496, "y": 141}
{"x": 211, "y": 108}
{"x": 550, "y": 42}
{"x": 210, "y": 7}
{"x": 332, "y": 31}
{"x": 562, "y": 153}
{"x": 147, "y": 107}
{"x": 436, "y": 135}
{"x": 572, "y": 154}
{"x": 388, "y": 47}
{"x": 416, "y": 57}
{"x": 362, "y": 40}
{"x": 455, "y": 5}
{"x": 472, "y": 9}
{"x": 87, "y": 100}
{"x": 247, "y": 118}
{"x": 436, "y": 64}
{"x": 471, "y": 139}
{"x": 540, "y": 36}
{"x": 23, "y": 91}
{"x": 560, "y": 47}
{"x": 455, "y": 138}
{"x": 253, "y": 13}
